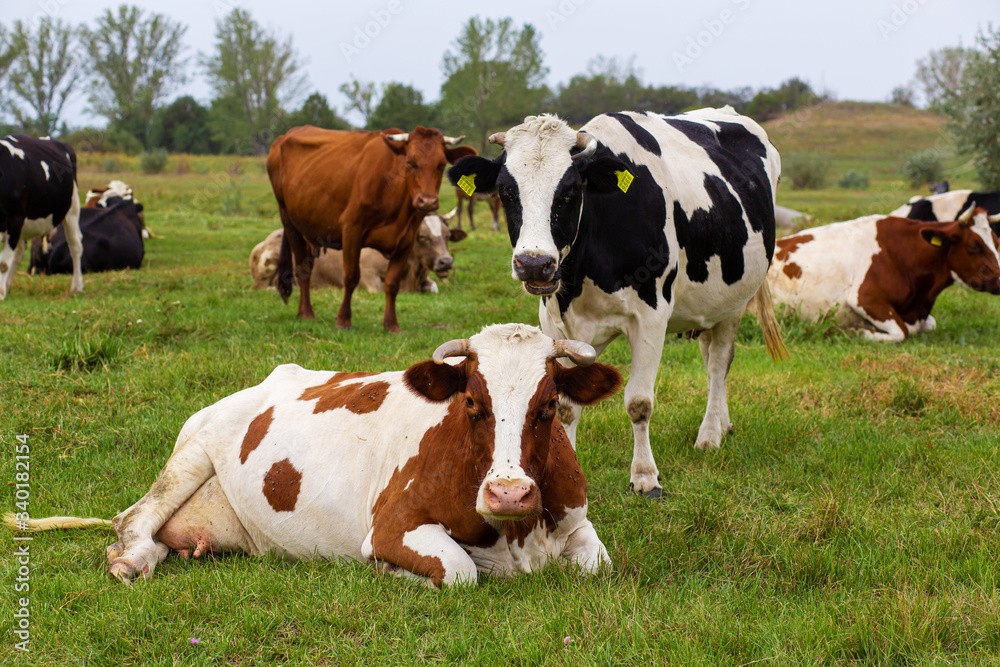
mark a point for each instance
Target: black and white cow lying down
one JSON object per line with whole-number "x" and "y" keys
{"x": 948, "y": 206}
{"x": 37, "y": 193}
{"x": 643, "y": 225}
{"x": 112, "y": 240}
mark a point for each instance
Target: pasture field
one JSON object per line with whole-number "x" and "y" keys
{"x": 853, "y": 517}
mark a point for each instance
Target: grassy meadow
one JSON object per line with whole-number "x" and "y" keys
{"x": 853, "y": 517}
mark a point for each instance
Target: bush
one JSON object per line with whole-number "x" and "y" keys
{"x": 808, "y": 171}
{"x": 853, "y": 180}
{"x": 923, "y": 167}
{"x": 154, "y": 161}
{"x": 111, "y": 166}
{"x": 97, "y": 140}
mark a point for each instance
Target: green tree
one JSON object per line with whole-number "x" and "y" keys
{"x": 494, "y": 78}
{"x": 975, "y": 111}
{"x": 255, "y": 74}
{"x": 791, "y": 95}
{"x": 401, "y": 106}
{"x": 940, "y": 75}
{"x": 315, "y": 111}
{"x": 362, "y": 97}
{"x": 608, "y": 85}
{"x": 43, "y": 74}
{"x": 8, "y": 52}
{"x": 136, "y": 63}
{"x": 182, "y": 127}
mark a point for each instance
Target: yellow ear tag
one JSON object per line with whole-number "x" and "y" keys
{"x": 936, "y": 240}
{"x": 468, "y": 184}
{"x": 624, "y": 180}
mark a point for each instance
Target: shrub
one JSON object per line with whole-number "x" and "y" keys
{"x": 853, "y": 180}
{"x": 111, "y": 165}
{"x": 807, "y": 171}
{"x": 97, "y": 140}
{"x": 923, "y": 167}
{"x": 153, "y": 162}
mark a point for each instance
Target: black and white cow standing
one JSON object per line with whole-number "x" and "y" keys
{"x": 37, "y": 192}
{"x": 642, "y": 225}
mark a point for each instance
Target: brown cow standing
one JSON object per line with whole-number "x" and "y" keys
{"x": 351, "y": 190}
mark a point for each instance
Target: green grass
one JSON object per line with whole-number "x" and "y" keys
{"x": 853, "y": 517}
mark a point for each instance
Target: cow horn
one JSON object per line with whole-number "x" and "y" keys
{"x": 450, "y": 215}
{"x": 498, "y": 138}
{"x": 458, "y": 347}
{"x": 994, "y": 218}
{"x": 581, "y": 353}
{"x": 398, "y": 137}
{"x": 451, "y": 141}
{"x": 966, "y": 218}
{"x": 587, "y": 143}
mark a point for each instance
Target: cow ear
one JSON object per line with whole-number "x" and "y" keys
{"x": 456, "y": 235}
{"x": 935, "y": 238}
{"x": 434, "y": 381}
{"x": 587, "y": 385}
{"x": 601, "y": 172}
{"x": 482, "y": 171}
{"x": 455, "y": 154}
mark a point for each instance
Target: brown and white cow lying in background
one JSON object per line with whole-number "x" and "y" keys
{"x": 885, "y": 272}
{"x": 442, "y": 470}
{"x": 430, "y": 254}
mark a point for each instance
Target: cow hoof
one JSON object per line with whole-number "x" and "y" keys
{"x": 114, "y": 551}
{"x": 123, "y": 572}
{"x": 652, "y": 494}
{"x": 393, "y": 329}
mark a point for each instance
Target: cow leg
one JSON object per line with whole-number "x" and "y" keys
{"x": 893, "y": 330}
{"x": 647, "y": 348}
{"x": 352, "y": 276}
{"x": 472, "y": 206}
{"x": 137, "y": 551}
{"x": 9, "y": 243}
{"x": 16, "y": 262}
{"x": 718, "y": 345}
{"x": 425, "y": 550}
{"x": 397, "y": 267}
{"x": 495, "y": 207}
{"x": 585, "y": 548}
{"x": 303, "y": 260}
{"x": 458, "y": 209}
{"x": 74, "y": 240}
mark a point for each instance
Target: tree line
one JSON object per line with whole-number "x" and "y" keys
{"x": 131, "y": 61}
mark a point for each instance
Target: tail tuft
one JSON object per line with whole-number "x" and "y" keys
{"x": 51, "y": 523}
{"x": 769, "y": 323}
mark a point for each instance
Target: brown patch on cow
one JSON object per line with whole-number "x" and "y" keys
{"x": 282, "y": 484}
{"x": 792, "y": 270}
{"x": 789, "y": 245}
{"x": 256, "y": 432}
{"x": 358, "y": 398}
{"x": 446, "y": 474}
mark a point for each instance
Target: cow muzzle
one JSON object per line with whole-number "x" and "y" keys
{"x": 537, "y": 272}
{"x": 442, "y": 265}
{"x": 426, "y": 203}
{"x": 510, "y": 499}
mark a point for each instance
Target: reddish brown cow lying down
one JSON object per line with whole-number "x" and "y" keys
{"x": 444, "y": 471}
{"x": 430, "y": 254}
{"x": 882, "y": 271}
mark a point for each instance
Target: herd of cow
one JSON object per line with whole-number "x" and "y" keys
{"x": 638, "y": 224}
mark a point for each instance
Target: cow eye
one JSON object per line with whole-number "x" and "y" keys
{"x": 553, "y": 403}
{"x": 423, "y": 239}
{"x": 469, "y": 403}
{"x": 974, "y": 249}
{"x": 411, "y": 164}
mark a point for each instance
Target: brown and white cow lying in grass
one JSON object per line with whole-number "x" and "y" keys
{"x": 442, "y": 470}
{"x": 884, "y": 272}
{"x": 430, "y": 255}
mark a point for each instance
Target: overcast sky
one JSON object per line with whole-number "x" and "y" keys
{"x": 853, "y": 49}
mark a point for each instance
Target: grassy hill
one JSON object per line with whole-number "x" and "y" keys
{"x": 867, "y": 137}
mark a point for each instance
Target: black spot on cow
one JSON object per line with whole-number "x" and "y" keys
{"x": 30, "y": 191}
{"x": 739, "y": 155}
{"x": 620, "y": 241}
{"x": 922, "y": 210}
{"x": 510, "y": 197}
{"x": 639, "y": 133}
{"x": 713, "y": 232}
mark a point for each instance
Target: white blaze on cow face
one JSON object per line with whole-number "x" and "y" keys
{"x": 538, "y": 157}
{"x": 512, "y": 360}
{"x": 981, "y": 228}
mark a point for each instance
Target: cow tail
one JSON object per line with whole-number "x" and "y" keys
{"x": 769, "y": 323}
{"x": 52, "y": 523}
{"x": 283, "y": 276}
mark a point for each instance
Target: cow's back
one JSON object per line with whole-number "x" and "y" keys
{"x": 39, "y": 177}
{"x": 303, "y": 456}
